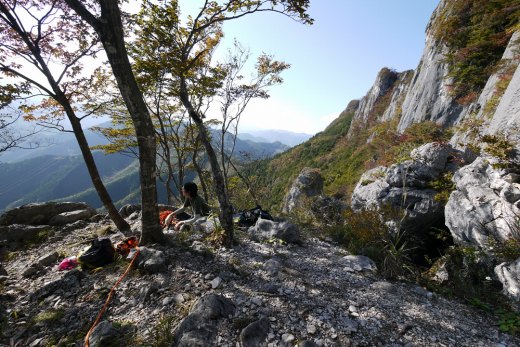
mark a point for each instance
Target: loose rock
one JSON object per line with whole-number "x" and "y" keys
{"x": 255, "y": 333}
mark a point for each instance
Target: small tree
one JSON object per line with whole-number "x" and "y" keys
{"x": 189, "y": 48}
{"x": 235, "y": 95}
{"x": 35, "y": 47}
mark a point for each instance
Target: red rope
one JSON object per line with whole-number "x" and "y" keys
{"x": 110, "y": 294}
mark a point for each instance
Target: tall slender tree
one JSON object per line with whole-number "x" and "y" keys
{"x": 104, "y": 16}
{"x": 36, "y": 47}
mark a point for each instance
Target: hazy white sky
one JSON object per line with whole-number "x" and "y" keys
{"x": 333, "y": 61}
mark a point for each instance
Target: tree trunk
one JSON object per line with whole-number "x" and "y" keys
{"x": 101, "y": 190}
{"x": 226, "y": 211}
{"x": 200, "y": 173}
{"x": 110, "y": 30}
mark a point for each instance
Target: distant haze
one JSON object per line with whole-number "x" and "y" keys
{"x": 272, "y": 135}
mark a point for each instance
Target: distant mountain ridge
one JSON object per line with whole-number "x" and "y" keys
{"x": 288, "y": 138}
{"x": 57, "y": 172}
{"x": 50, "y": 177}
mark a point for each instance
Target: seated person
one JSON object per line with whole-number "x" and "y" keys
{"x": 199, "y": 207}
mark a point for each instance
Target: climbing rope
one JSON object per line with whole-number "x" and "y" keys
{"x": 110, "y": 294}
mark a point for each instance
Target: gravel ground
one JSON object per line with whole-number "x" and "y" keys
{"x": 314, "y": 292}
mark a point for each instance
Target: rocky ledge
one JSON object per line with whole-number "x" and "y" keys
{"x": 260, "y": 293}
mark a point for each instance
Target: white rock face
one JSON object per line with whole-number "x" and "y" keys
{"x": 484, "y": 205}
{"x": 509, "y": 275}
{"x": 429, "y": 97}
{"x": 405, "y": 186}
{"x": 401, "y": 89}
{"x": 309, "y": 183}
{"x": 507, "y": 115}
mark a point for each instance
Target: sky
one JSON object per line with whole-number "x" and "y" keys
{"x": 332, "y": 61}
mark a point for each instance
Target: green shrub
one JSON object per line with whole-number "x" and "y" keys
{"x": 365, "y": 233}
{"x": 509, "y": 321}
{"x": 444, "y": 186}
{"x": 506, "y": 251}
{"x": 469, "y": 271}
{"x": 501, "y": 148}
{"x": 396, "y": 260}
{"x": 162, "y": 334}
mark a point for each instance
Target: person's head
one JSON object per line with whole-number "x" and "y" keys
{"x": 189, "y": 190}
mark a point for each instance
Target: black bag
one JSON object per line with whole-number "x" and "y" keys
{"x": 248, "y": 218}
{"x": 100, "y": 253}
{"x": 182, "y": 216}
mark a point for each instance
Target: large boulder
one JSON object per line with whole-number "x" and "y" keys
{"x": 406, "y": 186}
{"x": 199, "y": 328}
{"x": 128, "y": 209}
{"x": 39, "y": 213}
{"x": 484, "y": 205}
{"x": 151, "y": 260}
{"x": 72, "y": 216}
{"x": 255, "y": 333}
{"x": 309, "y": 183}
{"x": 265, "y": 230}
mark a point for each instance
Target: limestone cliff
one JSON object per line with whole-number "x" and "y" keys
{"x": 426, "y": 93}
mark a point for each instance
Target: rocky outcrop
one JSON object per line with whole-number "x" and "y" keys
{"x": 406, "y": 186}
{"x": 309, "y": 183}
{"x": 352, "y": 106}
{"x": 150, "y": 260}
{"x": 509, "y": 275}
{"x": 383, "y": 101}
{"x": 385, "y": 80}
{"x": 400, "y": 90}
{"x": 20, "y": 234}
{"x": 425, "y": 93}
{"x": 485, "y": 204}
{"x": 40, "y": 213}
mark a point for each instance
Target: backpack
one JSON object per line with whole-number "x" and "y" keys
{"x": 100, "y": 253}
{"x": 248, "y": 218}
